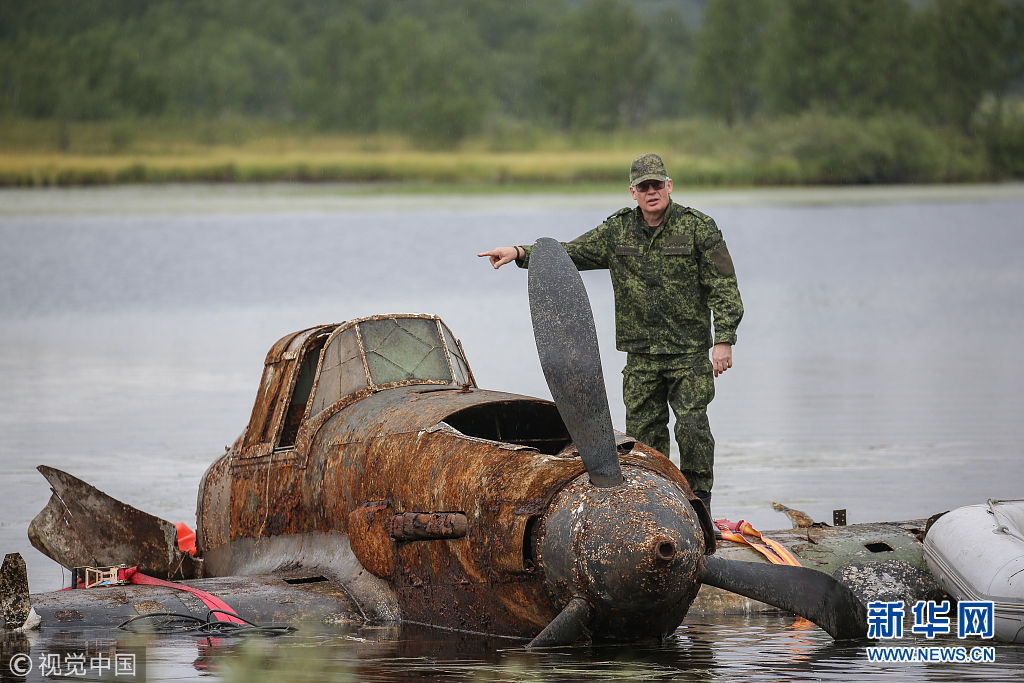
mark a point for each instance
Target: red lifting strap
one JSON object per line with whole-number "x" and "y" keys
{"x": 211, "y": 601}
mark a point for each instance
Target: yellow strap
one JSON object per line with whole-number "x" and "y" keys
{"x": 780, "y": 550}
{"x": 780, "y": 554}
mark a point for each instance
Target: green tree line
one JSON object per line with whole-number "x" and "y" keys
{"x": 441, "y": 70}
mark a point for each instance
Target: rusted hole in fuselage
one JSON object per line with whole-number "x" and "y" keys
{"x": 526, "y": 423}
{"x": 529, "y": 541}
{"x": 306, "y": 579}
{"x": 879, "y": 547}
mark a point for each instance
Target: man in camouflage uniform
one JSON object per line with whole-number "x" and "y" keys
{"x": 670, "y": 271}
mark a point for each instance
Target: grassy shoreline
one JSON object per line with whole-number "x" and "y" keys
{"x": 272, "y": 198}
{"x": 807, "y": 150}
{"x": 497, "y": 171}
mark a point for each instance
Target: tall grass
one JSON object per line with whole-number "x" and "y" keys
{"x": 812, "y": 148}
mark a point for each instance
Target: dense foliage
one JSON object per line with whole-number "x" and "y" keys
{"x": 441, "y": 70}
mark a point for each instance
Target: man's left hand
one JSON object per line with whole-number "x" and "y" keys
{"x": 721, "y": 358}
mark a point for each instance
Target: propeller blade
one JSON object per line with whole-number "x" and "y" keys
{"x": 805, "y": 592}
{"x": 567, "y": 627}
{"x": 563, "y": 327}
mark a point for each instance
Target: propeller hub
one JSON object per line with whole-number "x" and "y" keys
{"x": 664, "y": 550}
{"x": 631, "y": 551}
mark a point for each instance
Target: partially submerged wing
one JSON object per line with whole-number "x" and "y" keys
{"x": 82, "y": 526}
{"x": 292, "y": 598}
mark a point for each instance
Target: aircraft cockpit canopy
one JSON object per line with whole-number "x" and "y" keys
{"x": 307, "y": 372}
{"x": 382, "y": 352}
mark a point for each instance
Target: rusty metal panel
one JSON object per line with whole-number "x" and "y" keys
{"x": 15, "y": 606}
{"x": 368, "y": 531}
{"x": 409, "y": 408}
{"x": 213, "y": 504}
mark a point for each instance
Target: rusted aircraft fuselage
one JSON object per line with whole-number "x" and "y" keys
{"x": 424, "y": 496}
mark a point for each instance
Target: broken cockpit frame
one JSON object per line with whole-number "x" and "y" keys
{"x": 357, "y": 358}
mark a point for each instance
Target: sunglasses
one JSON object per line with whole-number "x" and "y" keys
{"x": 648, "y": 185}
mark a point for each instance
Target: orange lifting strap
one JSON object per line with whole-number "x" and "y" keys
{"x": 737, "y": 532}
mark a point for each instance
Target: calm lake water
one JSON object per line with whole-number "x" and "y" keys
{"x": 878, "y": 369}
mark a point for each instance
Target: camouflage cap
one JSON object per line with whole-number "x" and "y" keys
{"x": 647, "y": 167}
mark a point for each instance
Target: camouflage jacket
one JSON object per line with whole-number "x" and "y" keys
{"x": 667, "y": 280}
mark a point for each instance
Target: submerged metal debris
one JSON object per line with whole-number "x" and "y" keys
{"x": 15, "y": 608}
{"x": 889, "y": 580}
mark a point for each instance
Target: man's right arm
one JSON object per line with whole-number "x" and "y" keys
{"x": 588, "y": 251}
{"x": 499, "y": 256}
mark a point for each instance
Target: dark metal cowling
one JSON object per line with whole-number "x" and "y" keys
{"x": 631, "y": 552}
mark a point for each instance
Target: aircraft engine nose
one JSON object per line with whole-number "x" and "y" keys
{"x": 630, "y": 551}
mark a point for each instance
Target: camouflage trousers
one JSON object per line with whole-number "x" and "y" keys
{"x": 653, "y": 382}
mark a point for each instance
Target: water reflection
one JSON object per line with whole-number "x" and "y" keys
{"x": 756, "y": 647}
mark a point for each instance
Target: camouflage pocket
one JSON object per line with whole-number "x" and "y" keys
{"x": 678, "y": 244}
